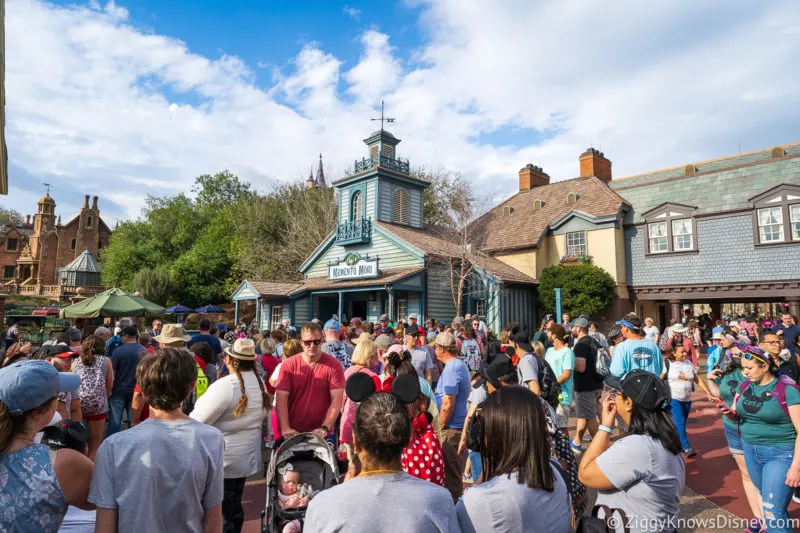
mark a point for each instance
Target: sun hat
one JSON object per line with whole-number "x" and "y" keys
{"x": 28, "y": 384}
{"x": 332, "y": 325}
{"x": 643, "y": 387}
{"x": 678, "y": 328}
{"x": 415, "y": 316}
{"x": 499, "y": 367}
{"x": 171, "y": 333}
{"x": 243, "y": 349}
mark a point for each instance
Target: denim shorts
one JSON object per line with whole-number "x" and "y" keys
{"x": 734, "y": 440}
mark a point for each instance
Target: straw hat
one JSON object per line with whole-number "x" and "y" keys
{"x": 172, "y": 334}
{"x": 244, "y": 349}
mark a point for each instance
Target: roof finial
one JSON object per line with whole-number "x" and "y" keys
{"x": 320, "y": 174}
{"x": 383, "y": 119}
{"x": 47, "y": 188}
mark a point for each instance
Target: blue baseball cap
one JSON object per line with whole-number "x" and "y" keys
{"x": 332, "y": 325}
{"x": 28, "y": 384}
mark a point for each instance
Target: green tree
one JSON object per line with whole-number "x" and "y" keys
{"x": 155, "y": 284}
{"x": 9, "y": 216}
{"x": 585, "y": 289}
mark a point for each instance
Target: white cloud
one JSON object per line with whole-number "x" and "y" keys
{"x": 89, "y": 96}
{"x": 352, "y": 12}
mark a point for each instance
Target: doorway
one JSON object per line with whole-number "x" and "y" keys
{"x": 328, "y": 306}
{"x": 358, "y": 309}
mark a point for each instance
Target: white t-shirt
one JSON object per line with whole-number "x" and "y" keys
{"x": 242, "y": 434}
{"x": 680, "y": 378}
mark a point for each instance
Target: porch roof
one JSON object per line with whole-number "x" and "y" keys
{"x": 387, "y": 277}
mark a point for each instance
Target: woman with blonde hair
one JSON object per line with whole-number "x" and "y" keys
{"x": 97, "y": 380}
{"x": 236, "y": 405}
{"x": 364, "y": 359}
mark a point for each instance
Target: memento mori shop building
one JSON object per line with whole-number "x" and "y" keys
{"x": 383, "y": 259}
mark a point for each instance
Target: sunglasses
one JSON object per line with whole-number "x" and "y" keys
{"x": 313, "y": 342}
{"x": 749, "y": 356}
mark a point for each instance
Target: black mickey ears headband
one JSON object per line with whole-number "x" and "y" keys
{"x": 360, "y": 386}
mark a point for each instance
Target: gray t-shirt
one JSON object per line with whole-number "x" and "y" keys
{"x": 527, "y": 369}
{"x": 649, "y": 481}
{"x": 160, "y": 475}
{"x": 388, "y": 502}
{"x": 502, "y": 504}
{"x": 478, "y": 395}
{"x": 421, "y": 360}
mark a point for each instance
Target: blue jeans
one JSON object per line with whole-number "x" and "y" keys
{"x": 767, "y": 467}
{"x": 475, "y": 465}
{"x": 680, "y": 414}
{"x": 118, "y": 404}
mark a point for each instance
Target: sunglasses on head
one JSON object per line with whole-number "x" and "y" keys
{"x": 312, "y": 342}
{"x": 749, "y": 356}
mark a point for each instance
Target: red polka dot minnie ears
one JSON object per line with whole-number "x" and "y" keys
{"x": 360, "y": 386}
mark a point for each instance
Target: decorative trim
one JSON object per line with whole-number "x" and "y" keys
{"x": 574, "y": 213}
{"x": 741, "y": 290}
{"x": 318, "y": 251}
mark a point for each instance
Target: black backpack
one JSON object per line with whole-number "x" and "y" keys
{"x": 548, "y": 384}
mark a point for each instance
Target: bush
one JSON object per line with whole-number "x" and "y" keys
{"x": 585, "y": 289}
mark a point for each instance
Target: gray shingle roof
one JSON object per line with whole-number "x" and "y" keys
{"x": 85, "y": 262}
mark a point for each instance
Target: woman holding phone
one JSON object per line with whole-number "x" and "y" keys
{"x": 724, "y": 382}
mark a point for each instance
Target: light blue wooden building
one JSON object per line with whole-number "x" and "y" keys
{"x": 383, "y": 259}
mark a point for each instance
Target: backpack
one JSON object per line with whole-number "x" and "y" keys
{"x": 561, "y": 451}
{"x": 548, "y": 384}
{"x": 607, "y": 524}
{"x": 474, "y": 431}
{"x": 340, "y": 354}
{"x": 602, "y": 362}
{"x": 780, "y": 391}
{"x": 471, "y": 354}
{"x": 664, "y": 339}
{"x": 200, "y": 388}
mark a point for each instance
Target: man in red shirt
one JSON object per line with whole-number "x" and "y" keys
{"x": 310, "y": 388}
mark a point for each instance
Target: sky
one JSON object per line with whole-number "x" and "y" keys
{"x": 133, "y": 98}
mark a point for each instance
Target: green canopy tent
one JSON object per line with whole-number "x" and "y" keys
{"x": 113, "y": 302}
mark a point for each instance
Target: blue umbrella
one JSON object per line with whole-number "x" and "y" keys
{"x": 179, "y": 310}
{"x": 207, "y": 309}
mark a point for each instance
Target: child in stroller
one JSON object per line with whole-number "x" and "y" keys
{"x": 293, "y": 495}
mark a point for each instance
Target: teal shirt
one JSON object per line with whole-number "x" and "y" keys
{"x": 728, "y": 388}
{"x": 763, "y": 422}
{"x": 560, "y": 360}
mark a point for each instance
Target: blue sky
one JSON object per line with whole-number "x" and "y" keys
{"x": 132, "y": 98}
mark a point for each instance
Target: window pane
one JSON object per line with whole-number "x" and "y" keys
{"x": 770, "y": 224}
{"x": 658, "y": 244}
{"x": 770, "y": 215}
{"x": 682, "y": 226}
{"x": 576, "y": 243}
{"x": 659, "y": 229}
{"x": 771, "y": 233}
{"x": 795, "y": 211}
{"x": 682, "y": 242}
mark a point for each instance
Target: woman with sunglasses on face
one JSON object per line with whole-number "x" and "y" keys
{"x": 767, "y": 409}
{"x": 724, "y": 379}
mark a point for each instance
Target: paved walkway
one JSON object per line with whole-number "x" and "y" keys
{"x": 713, "y": 500}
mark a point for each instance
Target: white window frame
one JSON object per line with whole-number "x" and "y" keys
{"x": 578, "y": 245}
{"x": 778, "y": 225}
{"x": 274, "y": 324}
{"x": 356, "y": 206}
{"x": 660, "y": 239}
{"x": 794, "y": 221}
{"x": 480, "y": 307}
{"x": 402, "y": 308}
{"x": 680, "y": 237}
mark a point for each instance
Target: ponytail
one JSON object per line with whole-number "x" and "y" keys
{"x": 7, "y": 428}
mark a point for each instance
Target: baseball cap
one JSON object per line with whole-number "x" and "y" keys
{"x": 581, "y": 322}
{"x": 442, "y": 323}
{"x": 72, "y": 434}
{"x": 415, "y": 316}
{"x": 643, "y": 387}
{"x": 130, "y": 331}
{"x": 500, "y": 366}
{"x": 383, "y": 317}
{"x": 411, "y": 330}
{"x": 383, "y": 342}
{"x": 55, "y": 350}
{"x": 332, "y": 325}
{"x": 521, "y": 337}
{"x": 28, "y": 384}
{"x": 445, "y": 340}
{"x": 74, "y": 334}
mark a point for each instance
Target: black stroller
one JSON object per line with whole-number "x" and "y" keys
{"x": 314, "y": 458}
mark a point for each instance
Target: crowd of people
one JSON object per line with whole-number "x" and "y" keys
{"x": 157, "y": 430}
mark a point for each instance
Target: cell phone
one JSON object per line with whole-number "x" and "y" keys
{"x": 721, "y": 404}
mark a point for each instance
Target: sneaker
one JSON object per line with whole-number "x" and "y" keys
{"x": 689, "y": 452}
{"x": 576, "y": 448}
{"x": 587, "y": 437}
{"x": 754, "y": 526}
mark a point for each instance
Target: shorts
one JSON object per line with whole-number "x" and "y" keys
{"x": 562, "y": 413}
{"x": 586, "y": 404}
{"x": 734, "y": 440}
{"x": 94, "y": 418}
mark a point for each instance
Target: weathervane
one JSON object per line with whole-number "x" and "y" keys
{"x": 383, "y": 119}
{"x": 47, "y": 187}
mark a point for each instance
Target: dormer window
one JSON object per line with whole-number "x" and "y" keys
{"x": 401, "y": 206}
{"x": 671, "y": 228}
{"x": 538, "y": 204}
{"x": 357, "y": 206}
{"x": 572, "y": 198}
{"x": 776, "y": 215}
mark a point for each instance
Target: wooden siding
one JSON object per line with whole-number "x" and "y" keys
{"x": 302, "y": 311}
{"x": 390, "y": 256}
{"x": 386, "y": 205}
{"x": 369, "y": 212}
{"x": 518, "y": 306}
{"x": 344, "y": 204}
{"x": 414, "y": 305}
{"x": 440, "y": 299}
{"x": 415, "y": 207}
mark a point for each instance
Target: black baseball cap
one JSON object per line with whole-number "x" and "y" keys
{"x": 72, "y": 434}
{"x": 499, "y": 367}
{"x": 411, "y": 330}
{"x": 130, "y": 331}
{"x": 643, "y": 387}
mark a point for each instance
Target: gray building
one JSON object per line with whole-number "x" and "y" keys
{"x": 719, "y": 231}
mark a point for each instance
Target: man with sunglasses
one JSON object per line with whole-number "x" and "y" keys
{"x": 310, "y": 388}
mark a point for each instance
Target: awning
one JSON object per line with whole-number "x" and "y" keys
{"x": 387, "y": 277}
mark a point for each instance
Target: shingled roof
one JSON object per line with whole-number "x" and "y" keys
{"x": 439, "y": 241}
{"x": 529, "y": 220}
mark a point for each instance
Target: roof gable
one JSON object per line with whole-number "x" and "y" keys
{"x": 777, "y": 194}
{"x": 670, "y": 209}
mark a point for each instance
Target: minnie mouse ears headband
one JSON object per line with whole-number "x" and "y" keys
{"x": 360, "y": 386}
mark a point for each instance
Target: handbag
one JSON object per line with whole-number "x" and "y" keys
{"x": 606, "y": 524}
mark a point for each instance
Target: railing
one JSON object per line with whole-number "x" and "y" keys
{"x": 366, "y": 163}
{"x": 29, "y": 289}
{"x": 354, "y": 231}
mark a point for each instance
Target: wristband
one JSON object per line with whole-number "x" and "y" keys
{"x": 607, "y": 429}
{"x": 327, "y": 431}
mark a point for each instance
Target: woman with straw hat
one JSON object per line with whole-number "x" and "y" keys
{"x": 236, "y": 405}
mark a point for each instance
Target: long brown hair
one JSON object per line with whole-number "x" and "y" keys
{"x": 11, "y": 425}
{"x": 239, "y": 366}
{"x": 91, "y": 346}
{"x": 515, "y": 438}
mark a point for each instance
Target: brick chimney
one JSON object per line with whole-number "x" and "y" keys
{"x": 27, "y": 220}
{"x": 94, "y": 203}
{"x": 85, "y": 201}
{"x": 594, "y": 163}
{"x": 531, "y": 176}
